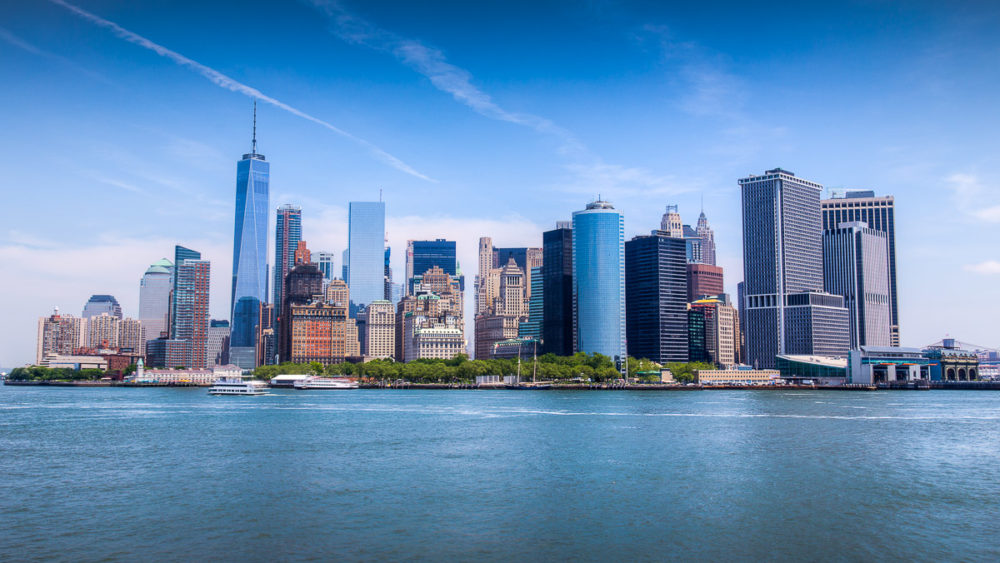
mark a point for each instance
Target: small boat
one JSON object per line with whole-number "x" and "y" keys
{"x": 237, "y": 386}
{"x": 326, "y": 383}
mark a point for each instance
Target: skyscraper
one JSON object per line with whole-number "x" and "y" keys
{"x": 671, "y": 223}
{"x": 422, "y": 255}
{"x": 707, "y": 236}
{"x": 532, "y": 328}
{"x": 100, "y": 304}
{"x": 191, "y": 318}
{"x": 303, "y": 286}
{"x": 59, "y": 334}
{"x": 557, "y": 274}
{"x": 249, "y": 288}
{"x": 154, "y": 298}
{"x": 856, "y": 266}
{"x": 180, "y": 254}
{"x": 787, "y": 311}
{"x": 704, "y": 280}
{"x": 324, "y": 261}
{"x": 599, "y": 280}
{"x": 366, "y": 252}
{"x": 656, "y": 298}
{"x": 287, "y": 235}
{"x": 218, "y": 342}
{"x": 879, "y": 212}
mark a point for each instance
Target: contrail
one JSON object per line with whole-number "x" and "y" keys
{"x": 226, "y": 82}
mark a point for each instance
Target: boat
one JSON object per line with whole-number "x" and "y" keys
{"x": 326, "y": 383}
{"x": 237, "y": 386}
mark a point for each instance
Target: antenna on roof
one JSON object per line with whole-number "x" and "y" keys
{"x": 380, "y": 194}
{"x": 702, "y": 203}
{"x": 253, "y": 148}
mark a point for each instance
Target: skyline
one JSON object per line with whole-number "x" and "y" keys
{"x": 161, "y": 141}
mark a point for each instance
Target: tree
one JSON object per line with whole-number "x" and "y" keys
{"x": 315, "y": 368}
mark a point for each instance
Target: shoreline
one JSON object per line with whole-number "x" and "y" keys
{"x": 968, "y": 386}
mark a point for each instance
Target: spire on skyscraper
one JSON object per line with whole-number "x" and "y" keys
{"x": 253, "y": 142}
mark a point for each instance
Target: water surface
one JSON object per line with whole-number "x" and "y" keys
{"x": 118, "y": 473}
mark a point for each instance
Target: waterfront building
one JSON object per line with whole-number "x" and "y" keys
{"x": 525, "y": 348}
{"x": 168, "y": 352}
{"x": 218, "y": 342}
{"x": 377, "y": 330}
{"x": 856, "y": 266}
{"x": 100, "y": 305}
{"x": 821, "y": 370}
{"x": 718, "y": 333}
{"x": 180, "y": 254}
{"x": 59, "y": 334}
{"x": 366, "y": 253}
{"x": 429, "y": 309}
{"x": 324, "y": 261}
{"x": 102, "y": 331}
{"x": 599, "y": 280}
{"x": 704, "y": 280}
{"x": 656, "y": 298}
{"x": 947, "y": 362}
{"x": 318, "y": 332}
{"x": 738, "y": 376}
{"x": 422, "y": 255}
{"x": 879, "y": 212}
{"x": 249, "y": 284}
{"x": 154, "y": 298}
{"x": 131, "y": 337}
{"x": 671, "y": 223}
{"x": 201, "y": 377}
{"x": 697, "y": 346}
{"x": 557, "y": 285}
{"x": 872, "y": 365}
{"x": 786, "y": 310}
{"x": 191, "y": 306}
{"x": 75, "y": 361}
{"x": 532, "y": 327}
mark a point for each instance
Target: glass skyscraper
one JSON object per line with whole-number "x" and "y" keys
{"x": 365, "y": 252}
{"x": 287, "y": 235}
{"x": 154, "y": 298}
{"x": 599, "y": 280}
{"x": 656, "y": 297}
{"x": 422, "y": 255}
{"x": 557, "y": 271}
{"x": 249, "y": 254}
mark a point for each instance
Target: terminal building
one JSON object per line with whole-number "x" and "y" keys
{"x": 821, "y": 370}
{"x": 949, "y": 363}
{"x": 872, "y": 365}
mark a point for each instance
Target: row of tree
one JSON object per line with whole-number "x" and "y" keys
{"x": 460, "y": 369}
{"x": 42, "y": 373}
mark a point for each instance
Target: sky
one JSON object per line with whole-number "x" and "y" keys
{"x": 122, "y": 123}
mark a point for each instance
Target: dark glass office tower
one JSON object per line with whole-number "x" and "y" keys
{"x": 249, "y": 253}
{"x": 656, "y": 291}
{"x": 557, "y": 286}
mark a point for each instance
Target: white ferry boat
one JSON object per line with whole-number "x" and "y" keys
{"x": 326, "y": 383}
{"x": 237, "y": 386}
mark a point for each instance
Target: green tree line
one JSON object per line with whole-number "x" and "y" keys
{"x": 42, "y": 373}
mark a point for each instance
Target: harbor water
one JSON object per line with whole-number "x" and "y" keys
{"x": 176, "y": 474}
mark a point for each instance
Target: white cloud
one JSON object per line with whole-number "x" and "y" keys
{"x": 228, "y": 83}
{"x": 988, "y": 267}
{"x": 973, "y": 198}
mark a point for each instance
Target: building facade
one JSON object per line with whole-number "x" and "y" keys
{"x": 191, "y": 317}
{"x": 879, "y": 212}
{"x": 599, "y": 280}
{"x": 704, "y": 280}
{"x": 856, "y": 267}
{"x": 218, "y": 343}
{"x": 59, "y": 334}
{"x": 379, "y": 330}
{"x": 422, "y": 255}
{"x": 249, "y": 284}
{"x": 100, "y": 305}
{"x": 557, "y": 285}
{"x": 366, "y": 252}
{"x": 656, "y": 298}
{"x": 786, "y": 310}
{"x": 154, "y": 298}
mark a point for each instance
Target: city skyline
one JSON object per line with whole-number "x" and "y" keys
{"x": 171, "y": 189}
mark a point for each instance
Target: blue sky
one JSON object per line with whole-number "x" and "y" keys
{"x": 487, "y": 118}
